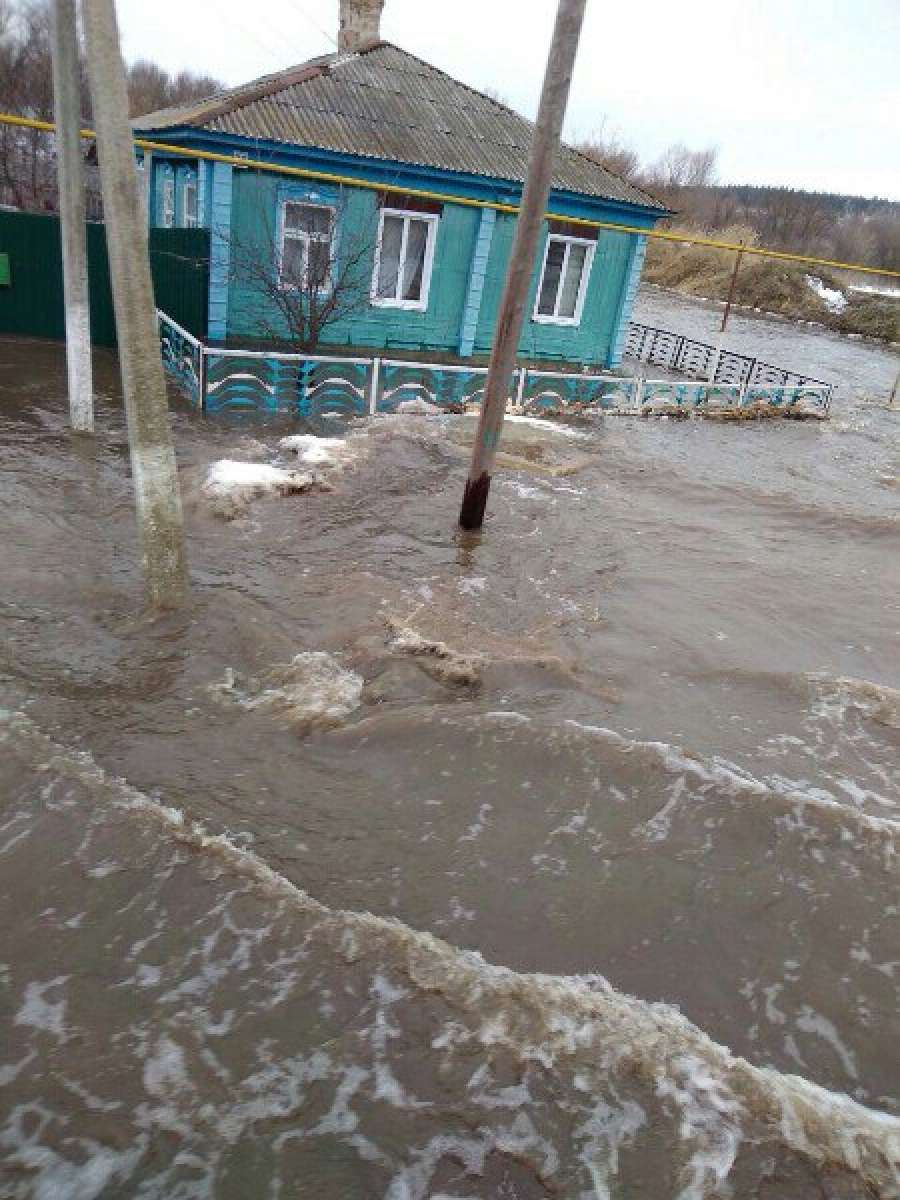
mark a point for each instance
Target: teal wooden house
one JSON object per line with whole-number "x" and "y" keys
{"x": 403, "y": 217}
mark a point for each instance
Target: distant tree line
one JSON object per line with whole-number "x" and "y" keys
{"x": 27, "y": 157}
{"x": 822, "y": 224}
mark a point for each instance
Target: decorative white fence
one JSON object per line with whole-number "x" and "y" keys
{"x": 311, "y": 385}
{"x": 663, "y": 348}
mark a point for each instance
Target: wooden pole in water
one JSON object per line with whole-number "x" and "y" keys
{"x": 896, "y": 391}
{"x": 544, "y": 143}
{"x": 734, "y": 275}
{"x": 70, "y": 179}
{"x": 153, "y": 469}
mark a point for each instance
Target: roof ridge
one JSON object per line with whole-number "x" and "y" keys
{"x": 615, "y": 174}
{"x": 229, "y": 99}
{"x": 484, "y": 122}
{"x": 514, "y": 112}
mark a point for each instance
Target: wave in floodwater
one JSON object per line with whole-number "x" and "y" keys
{"x": 564, "y": 1084}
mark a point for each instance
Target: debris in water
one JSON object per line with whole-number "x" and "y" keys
{"x": 439, "y": 660}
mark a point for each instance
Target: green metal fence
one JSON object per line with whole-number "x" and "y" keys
{"x": 31, "y": 299}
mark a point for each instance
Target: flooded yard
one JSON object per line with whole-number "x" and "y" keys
{"x": 553, "y": 862}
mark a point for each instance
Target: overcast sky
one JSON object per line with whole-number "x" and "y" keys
{"x": 797, "y": 92}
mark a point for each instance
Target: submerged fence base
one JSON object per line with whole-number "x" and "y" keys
{"x": 314, "y": 385}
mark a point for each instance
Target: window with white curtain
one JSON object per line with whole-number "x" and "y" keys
{"x": 564, "y": 278}
{"x": 403, "y": 258}
{"x": 189, "y": 203}
{"x": 168, "y": 202}
{"x": 306, "y": 244}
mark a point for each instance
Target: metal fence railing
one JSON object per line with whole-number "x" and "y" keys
{"x": 312, "y": 385}
{"x": 663, "y": 348}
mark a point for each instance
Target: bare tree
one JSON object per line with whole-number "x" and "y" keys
{"x": 28, "y": 156}
{"x": 609, "y": 148}
{"x": 151, "y": 88}
{"x": 304, "y": 277}
{"x": 680, "y": 167}
{"x": 27, "y": 166}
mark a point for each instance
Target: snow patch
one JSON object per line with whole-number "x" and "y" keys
{"x": 419, "y": 406}
{"x": 232, "y": 485}
{"x": 834, "y": 299}
{"x": 325, "y": 452}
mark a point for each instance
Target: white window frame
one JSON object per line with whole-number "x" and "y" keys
{"x": 190, "y": 220}
{"x": 167, "y": 201}
{"x": 554, "y": 318}
{"x": 407, "y": 215}
{"x": 298, "y": 236}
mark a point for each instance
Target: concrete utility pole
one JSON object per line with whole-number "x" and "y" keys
{"x": 544, "y": 143}
{"x": 70, "y": 177}
{"x": 153, "y": 467}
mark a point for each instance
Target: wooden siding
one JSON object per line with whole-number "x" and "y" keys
{"x": 629, "y": 294}
{"x": 257, "y": 201}
{"x": 588, "y": 342}
{"x": 459, "y": 318}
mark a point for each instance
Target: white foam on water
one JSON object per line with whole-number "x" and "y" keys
{"x": 57, "y": 1178}
{"x": 730, "y": 778}
{"x": 312, "y": 688}
{"x": 809, "y": 1021}
{"x": 835, "y": 696}
{"x": 573, "y": 1024}
{"x": 41, "y": 1013}
{"x": 472, "y": 585}
{"x": 603, "y": 1134}
{"x": 526, "y": 492}
{"x": 165, "y": 1070}
{"x": 711, "y": 1116}
{"x": 547, "y": 426}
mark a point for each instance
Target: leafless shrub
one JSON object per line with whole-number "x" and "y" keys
{"x": 297, "y": 287}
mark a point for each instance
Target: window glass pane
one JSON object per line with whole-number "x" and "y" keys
{"x": 293, "y": 216}
{"x": 414, "y": 265}
{"x": 319, "y": 261}
{"x": 307, "y": 218}
{"x": 318, "y": 221}
{"x": 389, "y": 259}
{"x": 556, "y": 252}
{"x": 292, "y": 260}
{"x": 190, "y": 204}
{"x": 168, "y": 202}
{"x": 568, "y": 300}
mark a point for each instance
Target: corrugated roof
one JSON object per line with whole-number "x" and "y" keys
{"x": 385, "y": 103}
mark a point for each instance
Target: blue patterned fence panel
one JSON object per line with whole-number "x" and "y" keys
{"x": 720, "y": 397}
{"x": 446, "y": 389}
{"x": 181, "y": 356}
{"x": 611, "y": 393}
{"x": 308, "y": 387}
{"x": 661, "y": 395}
{"x": 235, "y": 383}
{"x": 333, "y": 387}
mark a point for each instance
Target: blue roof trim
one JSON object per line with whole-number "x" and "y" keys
{"x": 403, "y": 175}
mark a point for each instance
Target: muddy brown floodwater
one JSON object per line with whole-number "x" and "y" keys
{"x": 555, "y": 862}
